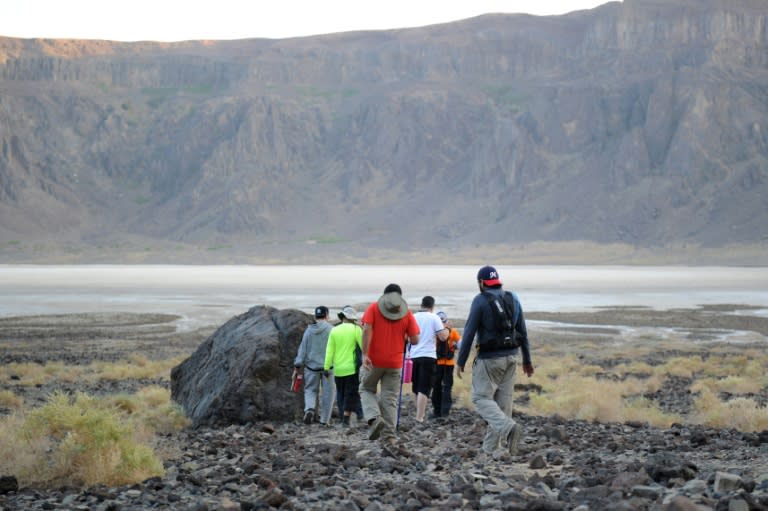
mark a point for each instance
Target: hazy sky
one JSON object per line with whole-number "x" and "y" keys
{"x": 176, "y": 20}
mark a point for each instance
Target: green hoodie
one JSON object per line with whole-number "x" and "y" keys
{"x": 340, "y": 351}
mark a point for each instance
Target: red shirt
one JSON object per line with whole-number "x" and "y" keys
{"x": 387, "y": 343}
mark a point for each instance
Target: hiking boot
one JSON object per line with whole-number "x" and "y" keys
{"x": 376, "y": 428}
{"x": 345, "y": 421}
{"x": 309, "y": 416}
{"x": 389, "y": 450}
{"x": 513, "y": 439}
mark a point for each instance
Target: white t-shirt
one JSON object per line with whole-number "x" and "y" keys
{"x": 429, "y": 325}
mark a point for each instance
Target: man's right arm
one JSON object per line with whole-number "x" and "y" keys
{"x": 299, "y": 360}
{"x": 470, "y": 329}
{"x": 367, "y": 331}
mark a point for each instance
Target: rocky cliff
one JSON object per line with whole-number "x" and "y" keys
{"x": 640, "y": 122}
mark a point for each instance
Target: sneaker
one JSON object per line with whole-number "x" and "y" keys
{"x": 513, "y": 439}
{"x": 309, "y": 417}
{"x": 376, "y": 428}
{"x": 345, "y": 421}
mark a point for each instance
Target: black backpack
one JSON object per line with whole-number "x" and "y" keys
{"x": 445, "y": 349}
{"x": 504, "y": 313}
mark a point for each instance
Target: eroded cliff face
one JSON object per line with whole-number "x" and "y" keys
{"x": 642, "y": 121}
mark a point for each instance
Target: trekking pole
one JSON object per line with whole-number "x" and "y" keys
{"x": 400, "y": 397}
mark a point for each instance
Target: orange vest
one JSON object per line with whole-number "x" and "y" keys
{"x": 453, "y": 338}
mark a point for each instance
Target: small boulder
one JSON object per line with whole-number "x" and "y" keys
{"x": 8, "y": 484}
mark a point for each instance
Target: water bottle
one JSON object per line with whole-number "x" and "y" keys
{"x": 297, "y": 382}
{"x": 408, "y": 371}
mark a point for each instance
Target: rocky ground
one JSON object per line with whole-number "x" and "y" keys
{"x": 562, "y": 464}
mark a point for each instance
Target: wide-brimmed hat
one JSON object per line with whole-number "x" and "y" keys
{"x": 348, "y": 312}
{"x": 393, "y": 306}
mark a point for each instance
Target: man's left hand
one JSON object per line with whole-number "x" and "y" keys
{"x": 528, "y": 369}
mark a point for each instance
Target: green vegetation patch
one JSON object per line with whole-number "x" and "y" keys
{"x": 315, "y": 92}
{"x": 199, "y": 89}
{"x": 157, "y": 95}
{"x": 327, "y": 240}
{"x": 505, "y": 95}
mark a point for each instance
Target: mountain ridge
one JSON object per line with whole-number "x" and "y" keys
{"x": 637, "y": 123}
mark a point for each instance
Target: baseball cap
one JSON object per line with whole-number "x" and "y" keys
{"x": 442, "y": 315}
{"x": 489, "y": 276}
{"x": 321, "y": 312}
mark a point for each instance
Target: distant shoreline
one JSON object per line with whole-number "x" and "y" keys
{"x": 349, "y": 252}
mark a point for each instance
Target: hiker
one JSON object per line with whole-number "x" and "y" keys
{"x": 387, "y": 326}
{"x": 424, "y": 354}
{"x": 344, "y": 345}
{"x": 311, "y": 358}
{"x": 493, "y": 373}
{"x": 443, "y": 382}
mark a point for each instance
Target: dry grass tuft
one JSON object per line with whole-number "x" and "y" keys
{"x": 576, "y": 388}
{"x": 740, "y": 413}
{"x": 10, "y": 400}
{"x": 84, "y": 441}
{"x": 730, "y": 384}
{"x": 152, "y": 407}
{"x": 136, "y": 367}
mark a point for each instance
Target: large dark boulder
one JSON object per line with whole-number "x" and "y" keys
{"x": 242, "y": 372}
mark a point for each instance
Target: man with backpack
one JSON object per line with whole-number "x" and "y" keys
{"x": 496, "y": 323}
{"x": 443, "y": 383}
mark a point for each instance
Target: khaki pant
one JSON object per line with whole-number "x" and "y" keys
{"x": 493, "y": 384}
{"x": 386, "y": 405}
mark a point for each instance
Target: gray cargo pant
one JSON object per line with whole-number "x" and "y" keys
{"x": 314, "y": 383}
{"x": 493, "y": 384}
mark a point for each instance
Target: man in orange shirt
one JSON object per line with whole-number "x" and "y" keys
{"x": 443, "y": 385}
{"x": 387, "y": 325}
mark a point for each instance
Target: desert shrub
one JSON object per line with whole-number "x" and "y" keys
{"x": 580, "y": 398}
{"x": 636, "y": 367}
{"x": 633, "y": 386}
{"x": 644, "y": 410}
{"x": 77, "y": 441}
{"x": 683, "y": 367}
{"x": 740, "y": 413}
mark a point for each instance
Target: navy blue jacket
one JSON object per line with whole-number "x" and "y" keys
{"x": 481, "y": 322}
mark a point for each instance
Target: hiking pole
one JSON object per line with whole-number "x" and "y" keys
{"x": 400, "y": 397}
